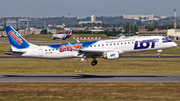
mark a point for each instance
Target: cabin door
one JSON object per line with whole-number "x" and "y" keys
{"x": 40, "y": 52}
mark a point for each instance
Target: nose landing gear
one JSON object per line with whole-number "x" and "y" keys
{"x": 159, "y": 51}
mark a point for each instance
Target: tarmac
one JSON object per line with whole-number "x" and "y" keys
{"x": 90, "y": 78}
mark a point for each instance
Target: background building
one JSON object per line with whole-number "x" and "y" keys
{"x": 93, "y": 20}
{"x": 21, "y": 23}
{"x": 12, "y": 23}
{"x": 173, "y": 32}
{"x": 142, "y": 17}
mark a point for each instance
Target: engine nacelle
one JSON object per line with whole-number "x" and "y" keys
{"x": 112, "y": 55}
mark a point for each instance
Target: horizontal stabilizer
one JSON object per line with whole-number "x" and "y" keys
{"x": 13, "y": 52}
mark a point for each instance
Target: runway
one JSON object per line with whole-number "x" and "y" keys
{"x": 89, "y": 77}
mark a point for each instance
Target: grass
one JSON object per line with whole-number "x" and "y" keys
{"x": 48, "y": 37}
{"x": 177, "y": 42}
{"x": 90, "y": 91}
{"x": 69, "y": 66}
{"x": 3, "y": 47}
{"x": 43, "y": 37}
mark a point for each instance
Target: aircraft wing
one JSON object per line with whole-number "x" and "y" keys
{"x": 92, "y": 53}
{"x": 98, "y": 51}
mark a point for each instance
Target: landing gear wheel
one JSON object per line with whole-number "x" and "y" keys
{"x": 159, "y": 51}
{"x": 94, "y": 62}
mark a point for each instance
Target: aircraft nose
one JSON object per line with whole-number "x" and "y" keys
{"x": 174, "y": 44}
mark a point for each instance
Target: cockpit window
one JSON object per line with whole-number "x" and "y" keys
{"x": 165, "y": 39}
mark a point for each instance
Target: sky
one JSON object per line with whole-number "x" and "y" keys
{"x": 86, "y": 8}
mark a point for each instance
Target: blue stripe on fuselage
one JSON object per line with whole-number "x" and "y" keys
{"x": 167, "y": 41}
{"x": 84, "y": 44}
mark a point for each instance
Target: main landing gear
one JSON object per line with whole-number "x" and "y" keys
{"x": 159, "y": 51}
{"x": 94, "y": 62}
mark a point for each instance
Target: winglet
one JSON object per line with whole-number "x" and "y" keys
{"x": 70, "y": 29}
{"x": 77, "y": 40}
{"x": 73, "y": 48}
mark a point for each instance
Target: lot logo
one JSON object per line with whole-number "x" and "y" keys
{"x": 64, "y": 48}
{"x": 144, "y": 44}
{"x": 112, "y": 55}
{"x": 18, "y": 40}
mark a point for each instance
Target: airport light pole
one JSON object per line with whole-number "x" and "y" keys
{"x": 175, "y": 20}
{"x": 92, "y": 28}
{"x": 157, "y": 30}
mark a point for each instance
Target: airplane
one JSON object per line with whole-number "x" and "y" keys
{"x": 108, "y": 49}
{"x": 62, "y": 36}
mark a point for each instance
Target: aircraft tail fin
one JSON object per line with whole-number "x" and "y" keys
{"x": 69, "y": 33}
{"x": 16, "y": 40}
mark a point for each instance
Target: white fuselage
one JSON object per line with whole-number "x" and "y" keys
{"x": 126, "y": 45}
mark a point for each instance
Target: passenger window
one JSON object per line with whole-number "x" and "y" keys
{"x": 106, "y": 44}
{"x": 102, "y": 44}
{"x": 98, "y": 45}
{"x": 46, "y": 50}
{"x": 94, "y": 45}
{"x": 117, "y": 43}
{"x": 49, "y": 49}
{"x": 114, "y": 43}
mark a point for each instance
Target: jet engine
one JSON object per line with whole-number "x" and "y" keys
{"x": 111, "y": 55}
